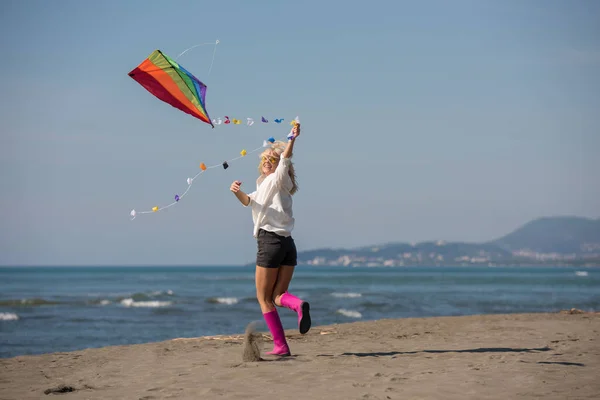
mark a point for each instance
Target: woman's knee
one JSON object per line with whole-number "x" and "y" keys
{"x": 265, "y": 301}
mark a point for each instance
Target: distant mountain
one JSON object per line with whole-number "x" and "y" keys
{"x": 548, "y": 240}
{"x": 564, "y": 235}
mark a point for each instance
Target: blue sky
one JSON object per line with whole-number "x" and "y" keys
{"x": 421, "y": 120}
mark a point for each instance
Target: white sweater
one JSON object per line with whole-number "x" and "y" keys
{"x": 271, "y": 202}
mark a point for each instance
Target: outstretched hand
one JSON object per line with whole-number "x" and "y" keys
{"x": 295, "y": 131}
{"x": 235, "y": 186}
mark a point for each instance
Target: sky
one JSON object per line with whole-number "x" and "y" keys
{"x": 425, "y": 120}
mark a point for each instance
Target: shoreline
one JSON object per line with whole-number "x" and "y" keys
{"x": 554, "y": 355}
{"x": 252, "y": 265}
{"x": 289, "y": 332}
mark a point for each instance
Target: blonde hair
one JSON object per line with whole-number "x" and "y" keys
{"x": 278, "y": 148}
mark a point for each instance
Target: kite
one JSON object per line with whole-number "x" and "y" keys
{"x": 173, "y": 84}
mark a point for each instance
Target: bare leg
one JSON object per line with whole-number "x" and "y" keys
{"x": 283, "y": 298}
{"x": 283, "y": 282}
{"x": 265, "y": 283}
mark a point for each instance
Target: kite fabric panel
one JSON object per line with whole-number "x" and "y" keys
{"x": 173, "y": 84}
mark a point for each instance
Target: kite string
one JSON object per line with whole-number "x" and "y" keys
{"x": 202, "y": 44}
{"x": 213, "y": 57}
{"x": 191, "y": 181}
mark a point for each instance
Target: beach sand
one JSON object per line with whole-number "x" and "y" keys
{"x": 549, "y": 356}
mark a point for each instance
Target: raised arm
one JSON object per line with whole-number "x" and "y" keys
{"x": 289, "y": 148}
{"x": 282, "y": 170}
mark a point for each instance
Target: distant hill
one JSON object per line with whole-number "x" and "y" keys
{"x": 548, "y": 240}
{"x": 564, "y": 235}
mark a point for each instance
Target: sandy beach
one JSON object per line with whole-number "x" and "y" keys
{"x": 550, "y": 356}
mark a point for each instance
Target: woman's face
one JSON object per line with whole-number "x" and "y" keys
{"x": 269, "y": 162}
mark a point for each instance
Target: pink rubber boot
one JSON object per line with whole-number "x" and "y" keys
{"x": 301, "y": 307}
{"x": 280, "y": 346}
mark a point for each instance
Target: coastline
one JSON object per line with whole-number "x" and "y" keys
{"x": 550, "y": 355}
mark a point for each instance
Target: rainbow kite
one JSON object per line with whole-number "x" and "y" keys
{"x": 173, "y": 84}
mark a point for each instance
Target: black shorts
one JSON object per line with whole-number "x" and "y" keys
{"x": 275, "y": 250}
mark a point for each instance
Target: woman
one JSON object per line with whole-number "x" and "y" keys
{"x": 273, "y": 224}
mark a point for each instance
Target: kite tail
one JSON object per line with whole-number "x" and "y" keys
{"x": 203, "y": 168}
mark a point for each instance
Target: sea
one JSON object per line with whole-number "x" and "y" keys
{"x": 58, "y": 309}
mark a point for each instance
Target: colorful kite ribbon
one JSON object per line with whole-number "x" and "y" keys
{"x": 203, "y": 168}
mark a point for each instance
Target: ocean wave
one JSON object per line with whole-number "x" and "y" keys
{"x": 249, "y": 300}
{"x": 373, "y": 305}
{"x": 8, "y": 316}
{"x": 27, "y": 302}
{"x": 581, "y": 273}
{"x": 150, "y": 296}
{"x": 101, "y": 302}
{"x": 349, "y": 313}
{"x": 347, "y": 295}
{"x": 162, "y": 293}
{"x": 154, "y": 303}
{"x": 157, "y": 298}
{"x": 222, "y": 300}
